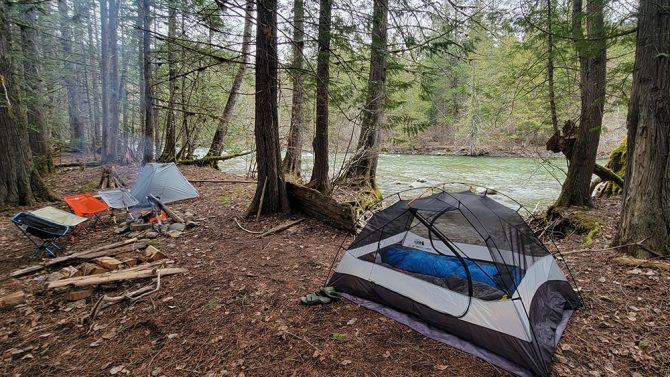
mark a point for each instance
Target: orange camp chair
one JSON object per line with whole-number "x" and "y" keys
{"x": 86, "y": 204}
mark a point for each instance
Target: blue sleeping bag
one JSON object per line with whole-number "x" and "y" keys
{"x": 439, "y": 265}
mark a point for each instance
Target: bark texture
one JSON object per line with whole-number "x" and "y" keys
{"x": 168, "y": 154}
{"x": 362, "y": 168}
{"x": 109, "y": 22}
{"x": 645, "y": 213}
{"x": 319, "y": 179}
{"x": 293, "y": 158}
{"x": 38, "y": 129}
{"x": 271, "y": 188}
{"x": 222, "y": 127}
{"x": 75, "y": 107}
{"x": 148, "y": 126}
{"x": 20, "y": 184}
{"x": 592, "y": 60}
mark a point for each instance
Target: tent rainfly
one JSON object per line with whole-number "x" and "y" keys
{"x": 465, "y": 270}
{"x": 163, "y": 181}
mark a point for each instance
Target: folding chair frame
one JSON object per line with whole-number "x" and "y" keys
{"x": 47, "y": 243}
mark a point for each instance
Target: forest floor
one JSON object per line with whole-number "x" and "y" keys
{"x": 236, "y": 311}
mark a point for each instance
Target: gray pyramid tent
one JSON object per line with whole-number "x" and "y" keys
{"x": 163, "y": 181}
{"x": 466, "y": 270}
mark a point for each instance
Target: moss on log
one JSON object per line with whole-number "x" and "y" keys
{"x": 617, "y": 164}
{"x": 577, "y": 219}
{"x": 209, "y": 160}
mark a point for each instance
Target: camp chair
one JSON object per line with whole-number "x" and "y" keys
{"x": 120, "y": 198}
{"x": 47, "y": 231}
{"x": 61, "y": 217}
{"x": 86, "y": 204}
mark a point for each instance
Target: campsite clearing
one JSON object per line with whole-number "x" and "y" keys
{"x": 236, "y": 309}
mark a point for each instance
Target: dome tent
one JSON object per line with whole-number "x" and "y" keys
{"x": 466, "y": 270}
{"x": 163, "y": 181}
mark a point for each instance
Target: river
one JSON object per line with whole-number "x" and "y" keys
{"x": 531, "y": 181}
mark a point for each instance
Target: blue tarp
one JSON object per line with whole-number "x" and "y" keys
{"x": 439, "y": 265}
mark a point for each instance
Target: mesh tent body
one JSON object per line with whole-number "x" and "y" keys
{"x": 163, "y": 181}
{"x": 465, "y": 265}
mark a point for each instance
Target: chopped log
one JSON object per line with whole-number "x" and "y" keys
{"x": 106, "y": 250}
{"x": 12, "y": 299}
{"x": 79, "y": 294}
{"x": 166, "y": 209}
{"x": 281, "y": 227}
{"x": 84, "y": 281}
{"x": 152, "y": 254}
{"x": 207, "y": 160}
{"x": 92, "y": 269}
{"x": 108, "y": 263}
{"x": 78, "y": 257}
{"x": 323, "y": 208}
{"x": 218, "y": 181}
{"x": 646, "y": 263}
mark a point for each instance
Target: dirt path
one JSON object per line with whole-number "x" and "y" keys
{"x": 236, "y": 311}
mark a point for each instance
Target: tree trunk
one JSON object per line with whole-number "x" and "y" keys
{"x": 69, "y": 77}
{"x": 109, "y": 12}
{"x": 645, "y": 212}
{"x": 168, "y": 154}
{"x": 95, "y": 77}
{"x": 293, "y": 157}
{"x": 320, "y": 179}
{"x": 271, "y": 189}
{"x": 148, "y": 128}
{"x": 217, "y": 141}
{"x": 550, "y": 68}
{"x": 114, "y": 98}
{"x": 592, "y": 56}
{"x": 38, "y": 130}
{"x": 140, "y": 70}
{"x": 20, "y": 184}
{"x": 362, "y": 168}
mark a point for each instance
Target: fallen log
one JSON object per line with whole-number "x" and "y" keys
{"x": 166, "y": 209}
{"x": 280, "y": 228}
{"x": 323, "y": 208}
{"x": 607, "y": 175}
{"x": 208, "y": 160}
{"x": 72, "y": 258}
{"x": 78, "y": 164}
{"x": 83, "y": 281}
{"x": 218, "y": 181}
{"x": 646, "y": 263}
{"x": 12, "y": 299}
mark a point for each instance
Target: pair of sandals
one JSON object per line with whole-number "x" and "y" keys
{"x": 325, "y": 295}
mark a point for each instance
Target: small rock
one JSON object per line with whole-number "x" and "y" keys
{"x": 173, "y": 233}
{"x": 122, "y": 229}
{"x": 188, "y": 214}
{"x": 177, "y": 226}
{"x": 191, "y": 224}
{"x": 156, "y": 372}
{"x": 151, "y": 234}
{"x": 115, "y": 370}
{"x": 140, "y": 226}
{"x": 172, "y": 336}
